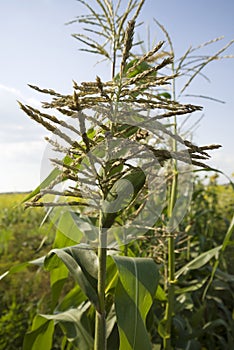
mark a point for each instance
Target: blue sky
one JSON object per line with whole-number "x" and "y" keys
{"x": 37, "y": 48}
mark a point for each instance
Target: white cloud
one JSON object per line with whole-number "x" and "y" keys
{"x": 10, "y": 89}
{"x": 18, "y": 95}
{"x": 223, "y": 161}
{"x": 20, "y": 152}
{"x": 32, "y": 102}
{"x": 21, "y": 165}
{"x": 15, "y": 125}
{"x": 21, "y": 143}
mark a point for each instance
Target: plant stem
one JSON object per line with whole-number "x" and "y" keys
{"x": 171, "y": 241}
{"x": 113, "y": 60}
{"x": 100, "y": 325}
{"x": 171, "y": 268}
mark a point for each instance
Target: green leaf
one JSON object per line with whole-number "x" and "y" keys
{"x": 75, "y": 326}
{"x": 58, "y": 277}
{"x": 81, "y": 261}
{"x": 61, "y": 240}
{"x": 73, "y": 323}
{"x": 126, "y": 130}
{"x": 162, "y": 329}
{"x": 160, "y": 294}
{"x": 72, "y": 299}
{"x": 226, "y": 242}
{"x": 140, "y": 68}
{"x": 122, "y": 193}
{"x": 192, "y": 286}
{"x": 110, "y": 321}
{"x": 165, "y": 95}
{"x": 111, "y": 274}
{"x": 214, "y": 324}
{"x": 91, "y": 133}
{"x": 14, "y": 269}
{"x": 45, "y": 183}
{"x": 87, "y": 226}
{"x": 216, "y": 171}
{"x": 21, "y": 267}
{"x": 67, "y": 226}
{"x": 41, "y": 335}
{"x": 199, "y": 261}
{"x": 138, "y": 281}
{"x": 224, "y": 276}
{"x": 228, "y": 235}
{"x": 52, "y": 176}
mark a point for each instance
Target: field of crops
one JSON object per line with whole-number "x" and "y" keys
{"x": 26, "y": 293}
{"x": 21, "y": 294}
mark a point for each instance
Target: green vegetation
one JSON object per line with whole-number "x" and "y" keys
{"x": 28, "y": 292}
{"x": 129, "y": 266}
{"x": 21, "y": 239}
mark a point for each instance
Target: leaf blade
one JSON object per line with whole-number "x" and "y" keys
{"x": 199, "y": 261}
{"x": 138, "y": 281}
{"x": 81, "y": 261}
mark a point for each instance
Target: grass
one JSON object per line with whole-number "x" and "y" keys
{"x": 8, "y": 200}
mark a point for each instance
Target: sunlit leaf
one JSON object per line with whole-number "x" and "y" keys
{"x": 40, "y": 336}
{"x": 165, "y": 95}
{"x": 81, "y": 262}
{"x": 199, "y": 261}
{"x": 52, "y": 176}
{"x": 192, "y": 286}
{"x": 160, "y": 294}
{"x": 123, "y": 191}
{"x": 47, "y": 181}
{"x": 68, "y": 227}
{"x": 73, "y": 323}
{"x": 138, "y": 281}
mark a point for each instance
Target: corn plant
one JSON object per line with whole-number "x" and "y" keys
{"x": 118, "y": 163}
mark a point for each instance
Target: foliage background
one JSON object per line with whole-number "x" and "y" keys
{"x": 24, "y": 294}
{"x": 34, "y": 32}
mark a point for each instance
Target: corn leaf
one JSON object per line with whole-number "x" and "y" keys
{"x": 73, "y": 323}
{"x": 52, "y": 176}
{"x": 81, "y": 262}
{"x": 41, "y": 335}
{"x": 118, "y": 197}
{"x": 199, "y": 261}
{"x": 136, "y": 288}
{"x": 226, "y": 242}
